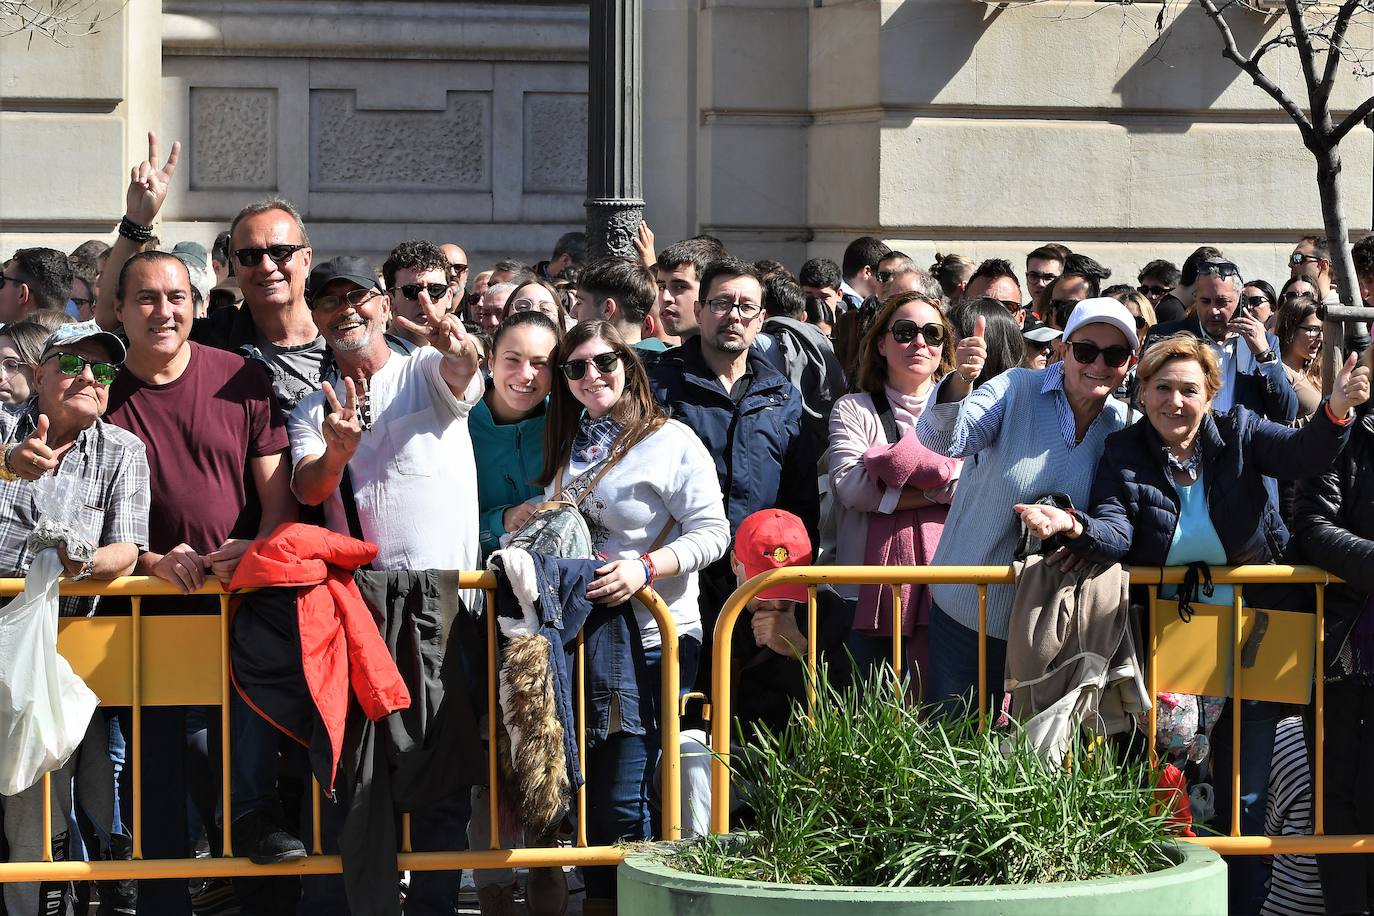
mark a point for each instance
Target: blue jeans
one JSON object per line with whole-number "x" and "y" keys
{"x": 620, "y": 770}
{"x": 436, "y": 828}
{"x": 253, "y": 759}
{"x": 952, "y": 685}
{"x": 1246, "y": 875}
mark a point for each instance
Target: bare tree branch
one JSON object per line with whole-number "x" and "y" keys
{"x": 1307, "y": 57}
{"x": 1351, "y": 121}
{"x": 1337, "y": 40}
{"x": 1258, "y": 76}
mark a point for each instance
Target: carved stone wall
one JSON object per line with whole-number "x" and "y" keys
{"x": 459, "y": 122}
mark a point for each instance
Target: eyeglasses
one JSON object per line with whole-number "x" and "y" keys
{"x": 887, "y": 276}
{"x": 330, "y": 302}
{"x": 10, "y": 366}
{"x": 1297, "y": 258}
{"x": 605, "y": 363}
{"x": 72, "y": 364}
{"x": 1294, "y": 296}
{"x": 1218, "y": 268}
{"x": 904, "y": 331}
{"x": 80, "y": 303}
{"x": 1036, "y": 276}
{"x": 1312, "y": 330}
{"x": 1061, "y": 309}
{"x": 412, "y": 290}
{"x": 1158, "y": 292}
{"x": 1011, "y": 305}
{"x": 747, "y": 310}
{"x": 6, "y": 278}
{"x": 252, "y": 257}
{"x": 526, "y": 304}
{"x": 454, "y": 268}
{"x": 1087, "y": 352}
{"x": 1256, "y": 301}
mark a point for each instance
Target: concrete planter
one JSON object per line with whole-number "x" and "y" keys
{"x": 1195, "y": 886}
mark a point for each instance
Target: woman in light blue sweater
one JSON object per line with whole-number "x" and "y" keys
{"x": 507, "y": 425}
{"x": 1026, "y": 434}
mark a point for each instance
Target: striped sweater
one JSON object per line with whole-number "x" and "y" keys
{"x": 1017, "y": 432}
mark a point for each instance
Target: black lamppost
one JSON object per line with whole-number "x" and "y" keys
{"x": 614, "y": 206}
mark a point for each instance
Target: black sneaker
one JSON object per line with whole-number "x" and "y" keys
{"x": 260, "y": 835}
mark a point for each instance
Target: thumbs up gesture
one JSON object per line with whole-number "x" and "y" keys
{"x": 972, "y": 352}
{"x": 1351, "y": 388}
{"x": 32, "y": 458}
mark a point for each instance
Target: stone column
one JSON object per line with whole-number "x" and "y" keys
{"x": 614, "y": 206}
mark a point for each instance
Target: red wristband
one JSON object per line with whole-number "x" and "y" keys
{"x": 649, "y": 568}
{"x": 1339, "y": 421}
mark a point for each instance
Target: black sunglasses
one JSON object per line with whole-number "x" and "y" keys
{"x": 1297, "y": 258}
{"x": 1061, "y": 309}
{"x": 1219, "y": 268}
{"x": 1256, "y": 301}
{"x": 252, "y": 257}
{"x": 1155, "y": 290}
{"x": 1087, "y": 352}
{"x": 904, "y": 331}
{"x": 574, "y": 369}
{"x": 412, "y": 290}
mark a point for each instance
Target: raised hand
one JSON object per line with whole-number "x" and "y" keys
{"x": 972, "y": 352}
{"x": 148, "y": 183}
{"x": 1251, "y": 330}
{"x": 343, "y": 428}
{"x": 644, "y": 244}
{"x": 1350, "y": 390}
{"x": 33, "y": 458}
{"x": 444, "y": 332}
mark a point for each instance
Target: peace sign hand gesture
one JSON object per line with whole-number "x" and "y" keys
{"x": 343, "y": 428}
{"x": 148, "y": 183}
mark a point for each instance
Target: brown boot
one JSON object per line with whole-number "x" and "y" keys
{"x": 546, "y": 892}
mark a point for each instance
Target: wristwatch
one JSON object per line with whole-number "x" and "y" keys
{"x": 1268, "y": 356}
{"x": 5, "y": 472}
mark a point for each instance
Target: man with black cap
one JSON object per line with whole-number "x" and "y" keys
{"x": 60, "y": 432}
{"x": 385, "y": 448}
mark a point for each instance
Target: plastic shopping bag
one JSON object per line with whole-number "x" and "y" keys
{"x": 44, "y": 707}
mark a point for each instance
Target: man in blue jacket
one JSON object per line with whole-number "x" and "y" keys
{"x": 746, "y": 412}
{"x": 1252, "y": 373}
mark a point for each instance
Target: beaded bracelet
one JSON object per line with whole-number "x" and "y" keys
{"x": 650, "y": 572}
{"x": 133, "y": 231}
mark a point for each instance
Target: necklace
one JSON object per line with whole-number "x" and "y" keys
{"x": 364, "y": 405}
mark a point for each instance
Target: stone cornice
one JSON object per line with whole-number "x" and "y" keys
{"x": 376, "y": 29}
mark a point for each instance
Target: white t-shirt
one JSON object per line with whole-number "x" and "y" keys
{"x": 414, "y": 480}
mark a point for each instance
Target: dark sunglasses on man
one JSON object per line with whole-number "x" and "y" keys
{"x": 1297, "y": 258}
{"x": 280, "y": 254}
{"x": 1218, "y": 269}
{"x": 1156, "y": 291}
{"x": 412, "y": 290}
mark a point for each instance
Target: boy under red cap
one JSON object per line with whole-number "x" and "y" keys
{"x": 773, "y": 539}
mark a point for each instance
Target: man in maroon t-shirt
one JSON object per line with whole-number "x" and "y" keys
{"x": 219, "y": 478}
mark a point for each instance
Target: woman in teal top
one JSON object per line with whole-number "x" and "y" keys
{"x": 507, "y": 426}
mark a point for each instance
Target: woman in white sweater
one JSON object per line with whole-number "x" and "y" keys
{"x": 656, "y": 517}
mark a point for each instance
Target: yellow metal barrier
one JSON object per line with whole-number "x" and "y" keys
{"x": 984, "y": 576}
{"x": 183, "y": 660}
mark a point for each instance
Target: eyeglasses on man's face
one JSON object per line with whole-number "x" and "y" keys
{"x": 747, "y": 310}
{"x": 73, "y": 364}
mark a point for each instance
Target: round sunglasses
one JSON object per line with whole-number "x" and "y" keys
{"x": 904, "y": 331}
{"x": 574, "y": 369}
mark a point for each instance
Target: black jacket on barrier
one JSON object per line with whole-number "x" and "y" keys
{"x": 1334, "y": 525}
{"x": 408, "y": 760}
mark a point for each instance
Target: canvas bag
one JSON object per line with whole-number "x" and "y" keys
{"x": 44, "y": 706}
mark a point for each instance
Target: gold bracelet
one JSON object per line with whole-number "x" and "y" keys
{"x": 6, "y": 473}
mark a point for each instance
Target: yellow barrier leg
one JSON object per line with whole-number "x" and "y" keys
{"x": 493, "y": 803}
{"x": 225, "y": 722}
{"x": 1319, "y": 733}
{"x": 1238, "y": 636}
{"x": 582, "y": 738}
{"x": 134, "y": 749}
{"x": 47, "y": 817}
{"x": 1152, "y": 675}
{"x": 897, "y": 636}
{"x": 982, "y": 657}
{"x": 811, "y": 650}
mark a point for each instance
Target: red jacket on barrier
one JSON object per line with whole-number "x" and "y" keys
{"x": 341, "y": 646}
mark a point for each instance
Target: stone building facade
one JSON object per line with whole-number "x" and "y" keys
{"x": 786, "y": 127}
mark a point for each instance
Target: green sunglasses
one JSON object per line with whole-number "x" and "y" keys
{"x": 72, "y": 364}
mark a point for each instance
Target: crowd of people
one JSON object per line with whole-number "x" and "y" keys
{"x": 711, "y": 418}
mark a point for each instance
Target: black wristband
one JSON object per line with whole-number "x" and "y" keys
{"x": 133, "y": 231}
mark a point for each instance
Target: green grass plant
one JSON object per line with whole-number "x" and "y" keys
{"x": 871, "y": 793}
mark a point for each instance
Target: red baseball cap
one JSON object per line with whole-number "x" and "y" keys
{"x": 772, "y": 539}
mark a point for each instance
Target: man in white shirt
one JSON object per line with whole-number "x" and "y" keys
{"x": 390, "y": 436}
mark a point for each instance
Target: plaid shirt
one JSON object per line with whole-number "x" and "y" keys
{"x": 113, "y": 467}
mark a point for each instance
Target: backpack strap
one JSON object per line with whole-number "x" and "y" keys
{"x": 885, "y": 417}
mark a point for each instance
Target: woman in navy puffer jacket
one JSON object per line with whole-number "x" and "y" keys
{"x": 1185, "y": 484}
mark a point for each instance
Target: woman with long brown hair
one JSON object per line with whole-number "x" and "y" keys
{"x": 657, "y": 517}
{"x": 891, "y": 493}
